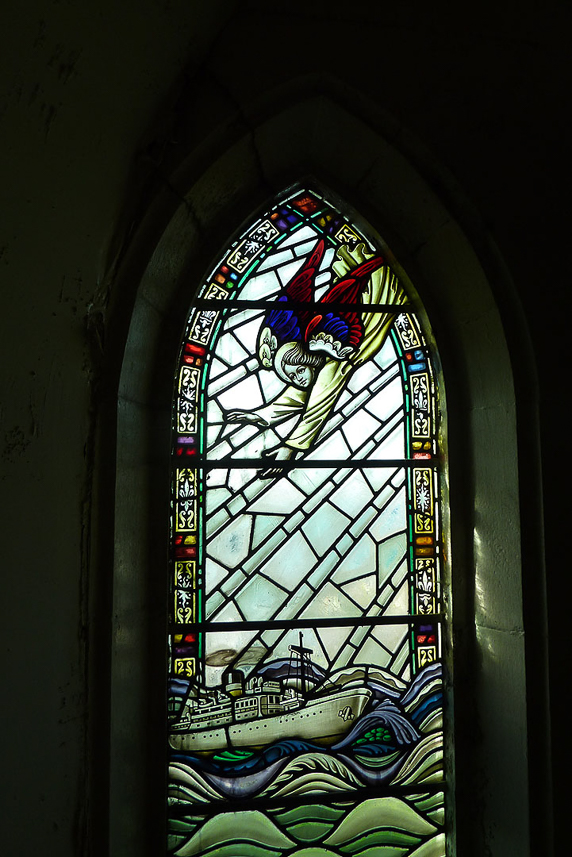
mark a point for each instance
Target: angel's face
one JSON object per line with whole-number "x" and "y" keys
{"x": 300, "y": 376}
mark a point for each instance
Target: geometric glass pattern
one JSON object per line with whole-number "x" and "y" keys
{"x": 305, "y": 639}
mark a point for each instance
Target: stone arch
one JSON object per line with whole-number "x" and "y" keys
{"x": 370, "y": 163}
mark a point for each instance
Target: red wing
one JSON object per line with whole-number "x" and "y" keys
{"x": 349, "y": 289}
{"x": 301, "y": 286}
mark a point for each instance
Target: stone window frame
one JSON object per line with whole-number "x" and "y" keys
{"x": 496, "y": 539}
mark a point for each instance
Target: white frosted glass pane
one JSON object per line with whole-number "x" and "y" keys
{"x": 361, "y": 559}
{"x": 372, "y": 653}
{"x": 238, "y": 478}
{"x": 272, "y": 386}
{"x": 363, "y": 590}
{"x": 214, "y": 413}
{"x": 254, "y": 561}
{"x": 286, "y": 272}
{"x": 216, "y": 521}
{"x": 330, "y": 602}
{"x": 377, "y": 476}
{"x": 229, "y": 613}
{"x": 213, "y": 433}
{"x": 259, "y": 599}
{"x": 324, "y": 527}
{"x": 392, "y": 519}
{"x": 363, "y": 521}
{"x": 393, "y": 447}
{"x": 294, "y": 521}
{"x": 248, "y": 334}
{"x": 213, "y": 603}
{"x": 308, "y": 246}
{"x": 236, "y": 505}
{"x": 264, "y": 525}
{"x": 216, "y": 368}
{"x": 353, "y": 494}
{"x": 260, "y": 286}
{"x": 391, "y": 636}
{"x": 256, "y": 445}
{"x": 344, "y": 544}
{"x": 281, "y": 498}
{"x": 398, "y": 478}
{"x": 274, "y": 260}
{"x": 332, "y": 447}
{"x": 231, "y": 546}
{"x": 241, "y": 435}
{"x": 390, "y": 554}
{"x": 332, "y": 639}
{"x": 305, "y": 233}
{"x": 386, "y": 354}
{"x": 221, "y": 450}
{"x": 363, "y": 376}
{"x": 386, "y": 402}
{"x": 384, "y": 379}
{"x": 214, "y": 573}
{"x": 243, "y": 396}
{"x": 396, "y": 600}
{"x": 233, "y": 583}
{"x": 359, "y": 428}
{"x": 323, "y": 570}
{"x": 310, "y": 480}
{"x": 401, "y": 667}
{"x": 229, "y": 350}
{"x": 295, "y": 602}
{"x": 215, "y": 498}
{"x": 291, "y": 563}
{"x": 397, "y": 603}
{"x": 320, "y": 495}
{"x": 224, "y": 381}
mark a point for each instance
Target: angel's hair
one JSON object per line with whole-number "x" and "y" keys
{"x": 296, "y": 356}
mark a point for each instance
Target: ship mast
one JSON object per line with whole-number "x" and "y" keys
{"x": 302, "y": 651}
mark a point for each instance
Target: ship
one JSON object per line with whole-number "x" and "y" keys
{"x": 259, "y": 711}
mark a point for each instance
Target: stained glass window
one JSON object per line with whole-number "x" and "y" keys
{"x": 305, "y": 644}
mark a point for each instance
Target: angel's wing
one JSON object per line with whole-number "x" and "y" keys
{"x": 340, "y": 332}
{"x": 288, "y": 323}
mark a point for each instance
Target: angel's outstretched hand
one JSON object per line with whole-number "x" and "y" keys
{"x": 245, "y": 417}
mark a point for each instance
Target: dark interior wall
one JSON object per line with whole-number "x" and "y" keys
{"x": 100, "y": 104}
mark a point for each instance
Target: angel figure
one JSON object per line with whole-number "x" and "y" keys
{"x": 315, "y": 348}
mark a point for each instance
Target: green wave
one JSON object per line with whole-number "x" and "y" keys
{"x": 310, "y": 831}
{"x": 384, "y": 815}
{"x": 432, "y": 806}
{"x": 312, "y": 773}
{"x": 424, "y": 764}
{"x": 434, "y": 848}
{"x": 309, "y": 811}
{"x": 185, "y": 783}
{"x": 377, "y": 761}
{"x": 233, "y": 830}
{"x": 309, "y": 822}
{"x": 403, "y": 842}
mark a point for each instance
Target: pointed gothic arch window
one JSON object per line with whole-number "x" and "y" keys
{"x": 308, "y": 550}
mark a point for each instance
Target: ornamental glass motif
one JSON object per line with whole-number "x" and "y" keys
{"x": 305, "y": 642}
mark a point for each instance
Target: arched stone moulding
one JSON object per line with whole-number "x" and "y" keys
{"x": 220, "y": 187}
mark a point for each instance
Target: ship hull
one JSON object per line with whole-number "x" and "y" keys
{"x": 323, "y": 720}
